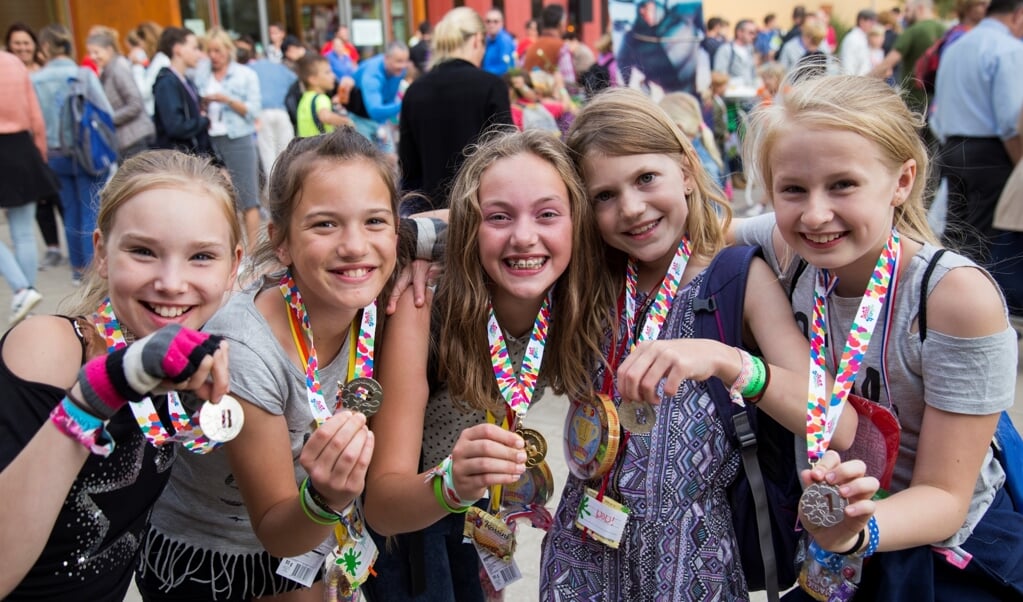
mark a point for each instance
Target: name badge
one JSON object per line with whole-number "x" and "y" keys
{"x": 502, "y": 572}
{"x": 302, "y": 569}
{"x": 603, "y": 520}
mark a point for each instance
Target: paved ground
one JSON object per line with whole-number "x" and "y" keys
{"x": 547, "y": 416}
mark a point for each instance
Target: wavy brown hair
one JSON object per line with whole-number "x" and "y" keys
{"x": 619, "y": 122}
{"x": 580, "y": 296}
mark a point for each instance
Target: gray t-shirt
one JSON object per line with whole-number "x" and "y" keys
{"x": 202, "y": 506}
{"x": 973, "y": 376}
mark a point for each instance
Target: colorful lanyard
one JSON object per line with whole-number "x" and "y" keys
{"x": 821, "y": 415}
{"x": 360, "y": 360}
{"x": 661, "y": 304}
{"x": 186, "y": 428}
{"x": 517, "y": 389}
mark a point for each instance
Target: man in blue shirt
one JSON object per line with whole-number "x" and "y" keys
{"x": 273, "y": 130}
{"x": 374, "y": 100}
{"x": 500, "y": 54}
{"x": 978, "y": 97}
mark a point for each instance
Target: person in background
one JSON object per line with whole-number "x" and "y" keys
{"x": 545, "y": 52}
{"x": 582, "y": 56}
{"x": 768, "y": 41}
{"x": 374, "y": 100}
{"x": 180, "y": 122}
{"x": 292, "y": 50}
{"x": 24, "y": 178}
{"x": 273, "y": 126}
{"x": 344, "y": 34}
{"x": 684, "y": 110}
{"x": 738, "y": 58}
{"x": 855, "y": 50}
{"x": 923, "y": 31}
{"x": 714, "y": 36}
{"x": 230, "y": 94}
{"x": 532, "y": 32}
{"x": 341, "y": 61}
{"x": 274, "y": 51}
{"x": 147, "y": 66}
{"x": 79, "y": 190}
{"x": 500, "y": 53}
{"x": 318, "y": 82}
{"x": 446, "y": 110}
{"x": 135, "y": 130}
{"x": 23, "y": 43}
{"x": 419, "y": 53}
{"x": 244, "y": 50}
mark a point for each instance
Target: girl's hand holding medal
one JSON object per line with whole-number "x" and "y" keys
{"x": 857, "y": 491}
{"x": 336, "y": 457}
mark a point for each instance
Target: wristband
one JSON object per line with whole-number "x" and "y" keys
{"x": 856, "y": 546}
{"x": 755, "y": 386}
{"x": 450, "y": 493}
{"x": 78, "y": 424}
{"x": 755, "y": 399}
{"x": 439, "y": 494}
{"x": 312, "y": 509}
{"x": 874, "y": 539}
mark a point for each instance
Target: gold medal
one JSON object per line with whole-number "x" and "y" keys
{"x": 591, "y": 437}
{"x": 536, "y": 446}
{"x": 637, "y": 417}
{"x": 535, "y": 486}
{"x": 363, "y": 395}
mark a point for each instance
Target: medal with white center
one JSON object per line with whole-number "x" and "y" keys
{"x": 221, "y": 421}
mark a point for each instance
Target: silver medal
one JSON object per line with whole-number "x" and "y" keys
{"x": 822, "y": 505}
{"x": 362, "y": 395}
{"x": 637, "y": 417}
{"x": 221, "y": 421}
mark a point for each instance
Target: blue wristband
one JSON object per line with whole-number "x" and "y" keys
{"x": 875, "y": 537}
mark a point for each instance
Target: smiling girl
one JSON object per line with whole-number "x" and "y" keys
{"x": 227, "y": 520}
{"x": 523, "y": 254}
{"x": 78, "y": 518}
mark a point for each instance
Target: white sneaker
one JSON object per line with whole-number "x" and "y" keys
{"x": 22, "y": 303}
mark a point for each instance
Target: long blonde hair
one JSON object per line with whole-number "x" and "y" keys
{"x": 620, "y": 122}
{"x": 865, "y": 106}
{"x": 580, "y": 299}
{"x": 143, "y": 172}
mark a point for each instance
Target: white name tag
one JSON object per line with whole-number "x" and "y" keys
{"x": 302, "y": 569}
{"x": 604, "y": 520}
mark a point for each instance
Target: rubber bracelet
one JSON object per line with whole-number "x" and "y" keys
{"x": 756, "y": 382}
{"x": 754, "y": 400}
{"x": 449, "y": 491}
{"x": 875, "y": 537}
{"x": 312, "y": 514}
{"x": 856, "y": 546}
{"x": 439, "y": 494}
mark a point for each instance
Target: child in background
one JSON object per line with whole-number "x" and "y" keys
{"x": 167, "y": 247}
{"x": 315, "y": 111}
{"x": 849, "y": 217}
{"x": 657, "y": 211}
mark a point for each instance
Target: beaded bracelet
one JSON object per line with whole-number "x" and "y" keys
{"x": 315, "y": 513}
{"x": 88, "y": 430}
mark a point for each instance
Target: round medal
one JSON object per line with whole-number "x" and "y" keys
{"x": 535, "y": 486}
{"x": 221, "y": 421}
{"x": 637, "y": 417}
{"x": 822, "y": 505}
{"x": 362, "y": 395}
{"x": 591, "y": 437}
{"x": 536, "y": 446}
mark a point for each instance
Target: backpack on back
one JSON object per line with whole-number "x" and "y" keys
{"x": 87, "y": 132}
{"x": 764, "y": 497}
{"x": 925, "y": 70}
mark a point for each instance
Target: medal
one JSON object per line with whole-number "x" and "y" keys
{"x": 222, "y": 421}
{"x": 591, "y": 437}
{"x": 536, "y": 446}
{"x": 534, "y": 487}
{"x": 362, "y": 395}
{"x": 822, "y": 505}
{"x": 637, "y": 417}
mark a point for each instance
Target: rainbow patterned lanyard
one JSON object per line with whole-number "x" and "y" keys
{"x": 661, "y": 304}
{"x": 821, "y": 415}
{"x": 186, "y": 428}
{"x": 361, "y": 354}
{"x": 518, "y": 389}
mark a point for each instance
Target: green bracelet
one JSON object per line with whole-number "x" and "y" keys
{"x": 439, "y": 494}
{"x": 756, "y": 382}
{"x": 311, "y": 513}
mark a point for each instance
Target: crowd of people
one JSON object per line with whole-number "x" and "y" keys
{"x": 319, "y": 293}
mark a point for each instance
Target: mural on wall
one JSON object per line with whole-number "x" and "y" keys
{"x": 657, "y": 44}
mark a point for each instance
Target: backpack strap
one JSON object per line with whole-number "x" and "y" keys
{"x": 316, "y": 118}
{"x": 921, "y": 315}
{"x": 800, "y": 268}
{"x": 718, "y": 312}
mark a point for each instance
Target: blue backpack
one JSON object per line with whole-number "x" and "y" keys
{"x": 764, "y": 497}
{"x": 87, "y": 133}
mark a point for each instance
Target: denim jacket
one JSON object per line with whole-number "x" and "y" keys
{"x": 52, "y": 87}
{"x": 240, "y": 83}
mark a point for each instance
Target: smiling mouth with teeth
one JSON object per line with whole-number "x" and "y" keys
{"x": 168, "y": 311}
{"x": 526, "y": 264}
{"x": 644, "y": 229}
{"x": 822, "y": 238}
{"x": 354, "y": 273}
